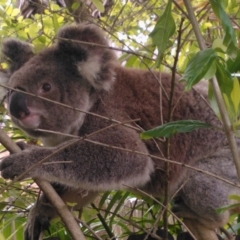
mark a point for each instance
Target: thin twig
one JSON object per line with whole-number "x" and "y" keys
{"x": 169, "y": 119}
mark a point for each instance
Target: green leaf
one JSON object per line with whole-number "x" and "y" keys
{"x": 210, "y": 72}
{"x": 114, "y": 200}
{"x": 15, "y": 12}
{"x": 168, "y": 129}
{"x": 227, "y": 207}
{"x": 218, "y": 45}
{"x": 164, "y": 29}
{"x": 234, "y": 197}
{"x": 235, "y": 95}
{"x": 201, "y": 65}
{"x": 130, "y": 62}
{"x": 118, "y": 206}
{"x": 98, "y": 4}
{"x": 213, "y": 101}
{"x": 230, "y": 38}
{"x": 75, "y": 5}
{"x": 226, "y": 84}
{"x": 233, "y": 66}
{"x": 224, "y": 78}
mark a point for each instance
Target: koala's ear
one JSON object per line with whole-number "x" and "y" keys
{"x": 16, "y": 52}
{"x": 87, "y": 45}
{"x": 84, "y": 33}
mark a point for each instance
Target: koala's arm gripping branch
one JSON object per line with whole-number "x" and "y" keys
{"x": 48, "y": 190}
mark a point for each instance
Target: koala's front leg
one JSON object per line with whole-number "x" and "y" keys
{"x": 86, "y": 165}
{"x": 25, "y": 163}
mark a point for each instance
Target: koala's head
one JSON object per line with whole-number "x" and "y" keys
{"x": 74, "y": 71}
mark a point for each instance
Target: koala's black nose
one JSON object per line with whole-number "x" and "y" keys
{"x": 17, "y": 105}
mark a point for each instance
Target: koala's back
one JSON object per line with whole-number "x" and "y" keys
{"x": 140, "y": 95}
{"x": 144, "y": 96}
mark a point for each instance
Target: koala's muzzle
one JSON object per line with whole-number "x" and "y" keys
{"x": 17, "y": 105}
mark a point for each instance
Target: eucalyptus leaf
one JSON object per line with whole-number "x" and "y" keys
{"x": 169, "y": 129}
{"x": 235, "y": 95}
{"x": 201, "y": 65}
{"x": 230, "y": 40}
{"x": 233, "y": 65}
{"x": 98, "y": 4}
{"x": 212, "y": 101}
{"x": 227, "y": 207}
{"x": 224, "y": 78}
{"x": 75, "y": 5}
{"x": 234, "y": 197}
{"x": 164, "y": 29}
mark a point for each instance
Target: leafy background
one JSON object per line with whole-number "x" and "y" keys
{"x": 147, "y": 34}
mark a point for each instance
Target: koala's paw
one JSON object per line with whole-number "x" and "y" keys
{"x": 38, "y": 221}
{"x": 13, "y": 166}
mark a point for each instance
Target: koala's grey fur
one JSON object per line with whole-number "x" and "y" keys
{"x": 88, "y": 77}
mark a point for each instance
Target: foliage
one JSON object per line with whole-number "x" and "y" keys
{"x": 164, "y": 27}
{"x": 147, "y": 36}
{"x": 169, "y": 129}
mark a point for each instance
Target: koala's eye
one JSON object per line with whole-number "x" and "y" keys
{"x": 46, "y": 87}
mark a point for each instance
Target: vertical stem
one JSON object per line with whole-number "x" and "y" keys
{"x": 217, "y": 93}
{"x": 170, "y": 109}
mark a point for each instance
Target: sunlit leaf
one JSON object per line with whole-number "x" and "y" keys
{"x": 15, "y": 12}
{"x": 218, "y": 45}
{"x": 230, "y": 40}
{"x": 201, "y": 65}
{"x": 235, "y": 95}
{"x": 98, "y": 4}
{"x": 234, "y": 197}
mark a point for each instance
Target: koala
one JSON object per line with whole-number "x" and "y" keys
{"x": 88, "y": 111}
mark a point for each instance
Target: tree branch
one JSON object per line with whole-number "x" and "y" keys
{"x": 50, "y": 193}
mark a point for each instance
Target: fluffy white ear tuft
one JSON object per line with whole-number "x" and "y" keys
{"x": 92, "y": 71}
{"x": 89, "y": 50}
